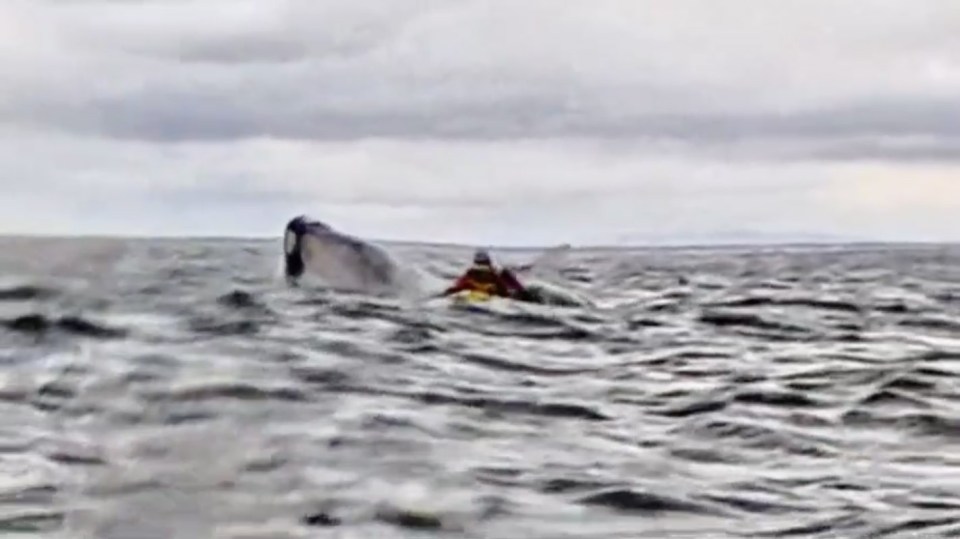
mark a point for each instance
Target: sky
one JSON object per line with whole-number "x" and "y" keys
{"x": 483, "y": 121}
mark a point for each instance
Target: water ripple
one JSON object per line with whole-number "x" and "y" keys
{"x": 803, "y": 392}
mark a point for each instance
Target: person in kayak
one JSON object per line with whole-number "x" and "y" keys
{"x": 482, "y": 276}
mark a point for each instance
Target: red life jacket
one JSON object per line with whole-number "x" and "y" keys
{"x": 483, "y": 279}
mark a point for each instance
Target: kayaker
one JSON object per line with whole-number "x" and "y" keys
{"x": 482, "y": 276}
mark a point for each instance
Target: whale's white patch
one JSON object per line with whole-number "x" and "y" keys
{"x": 289, "y": 242}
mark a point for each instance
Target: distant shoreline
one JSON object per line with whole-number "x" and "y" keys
{"x": 661, "y": 245}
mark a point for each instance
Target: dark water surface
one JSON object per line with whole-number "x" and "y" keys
{"x": 178, "y": 389}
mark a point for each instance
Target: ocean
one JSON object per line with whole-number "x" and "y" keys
{"x": 179, "y": 389}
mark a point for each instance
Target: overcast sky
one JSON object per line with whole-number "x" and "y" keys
{"x": 484, "y": 121}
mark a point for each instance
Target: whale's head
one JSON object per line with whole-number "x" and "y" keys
{"x": 297, "y": 229}
{"x": 337, "y": 259}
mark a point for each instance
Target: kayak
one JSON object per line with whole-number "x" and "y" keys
{"x": 539, "y": 293}
{"x": 471, "y": 297}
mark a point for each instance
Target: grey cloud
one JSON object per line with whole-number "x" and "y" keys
{"x": 930, "y": 151}
{"x": 407, "y": 70}
{"x": 824, "y": 133}
{"x": 171, "y": 118}
{"x": 266, "y": 50}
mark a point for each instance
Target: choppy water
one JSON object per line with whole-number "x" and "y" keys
{"x": 178, "y": 389}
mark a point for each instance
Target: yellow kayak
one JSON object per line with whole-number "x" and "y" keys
{"x": 472, "y": 296}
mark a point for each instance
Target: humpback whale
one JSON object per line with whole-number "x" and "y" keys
{"x": 340, "y": 260}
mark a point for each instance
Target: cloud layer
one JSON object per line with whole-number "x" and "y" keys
{"x": 518, "y": 121}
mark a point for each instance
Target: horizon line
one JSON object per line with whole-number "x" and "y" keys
{"x": 662, "y": 244}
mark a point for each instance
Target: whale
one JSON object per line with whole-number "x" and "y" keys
{"x": 313, "y": 248}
